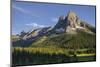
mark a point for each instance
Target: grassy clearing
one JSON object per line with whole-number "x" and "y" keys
{"x": 56, "y": 50}
{"x": 46, "y": 55}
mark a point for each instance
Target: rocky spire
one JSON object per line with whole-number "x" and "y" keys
{"x": 70, "y": 23}
{"x": 71, "y": 19}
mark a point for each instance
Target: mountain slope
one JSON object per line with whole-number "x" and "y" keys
{"x": 78, "y": 41}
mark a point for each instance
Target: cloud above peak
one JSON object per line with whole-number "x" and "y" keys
{"x": 35, "y": 25}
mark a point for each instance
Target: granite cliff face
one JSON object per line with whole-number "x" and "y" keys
{"x": 71, "y": 24}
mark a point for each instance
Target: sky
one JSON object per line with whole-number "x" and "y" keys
{"x": 31, "y": 15}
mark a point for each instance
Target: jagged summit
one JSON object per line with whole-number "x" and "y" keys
{"x": 71, "y": 19}
{"x": 70, "y": 24}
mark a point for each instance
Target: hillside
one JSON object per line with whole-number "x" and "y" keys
{"x": 61, "y": 48}
{"x": 69, "y": 41}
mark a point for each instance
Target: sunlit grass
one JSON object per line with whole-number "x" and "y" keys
{"x": 56, "y": 50}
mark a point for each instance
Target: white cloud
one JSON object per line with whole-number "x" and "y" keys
{"x": 23, "y": 10}
{"x": 35, "y": 25}
{"x": 20, "y": 9}
{"x": 54, "y": 19}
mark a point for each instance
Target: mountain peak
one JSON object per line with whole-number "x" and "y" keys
{"x": 71, "y": 14}
{"x": 70, "y": 24}
{"x": 72, "y": 19}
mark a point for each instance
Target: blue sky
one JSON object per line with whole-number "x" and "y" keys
{"x": 28, "y": 15}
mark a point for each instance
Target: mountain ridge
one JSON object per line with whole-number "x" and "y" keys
{"x": 70, "y": 24}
